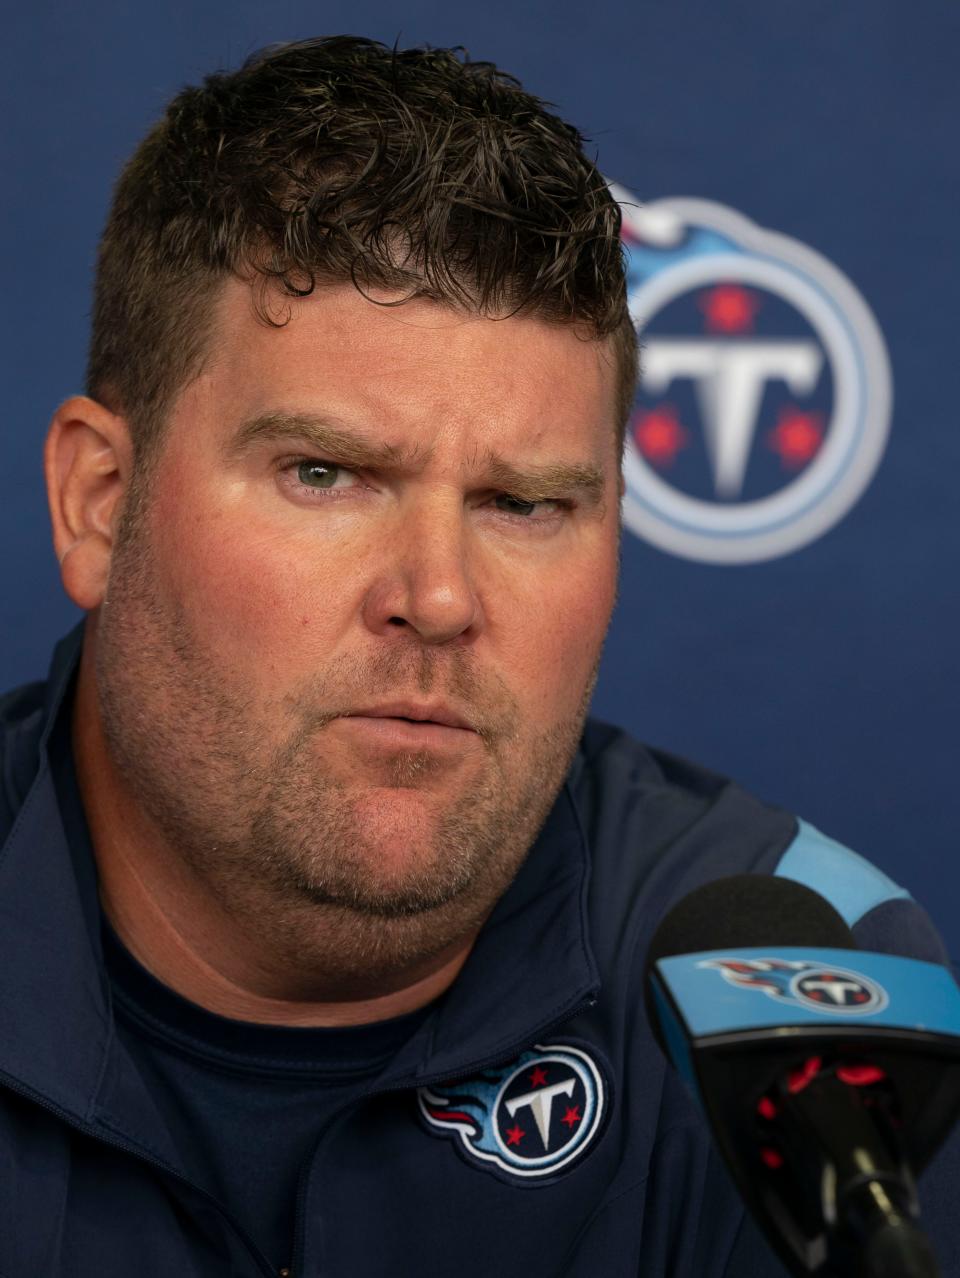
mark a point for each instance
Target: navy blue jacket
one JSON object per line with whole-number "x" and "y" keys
{"x": 529, "y": 1126}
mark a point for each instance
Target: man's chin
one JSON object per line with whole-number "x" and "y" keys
{"x": 399, "y": 854}
{"x": 399, "y": 818}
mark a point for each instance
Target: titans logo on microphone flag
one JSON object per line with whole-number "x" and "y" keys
{"x": 820, "y": 989}
{"x": 531, "y": 1119}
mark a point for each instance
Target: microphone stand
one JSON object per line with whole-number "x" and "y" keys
{"x": 838, "y": 1139}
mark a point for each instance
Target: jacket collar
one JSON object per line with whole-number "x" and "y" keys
{"x": 531, "y": 967}
{"x": 55, "y": 996}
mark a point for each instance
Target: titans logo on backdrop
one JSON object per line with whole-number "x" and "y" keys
{"x": 765, "y": 399}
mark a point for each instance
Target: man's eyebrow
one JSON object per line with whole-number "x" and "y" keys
{"x": 552, "y": 479}
{"x": 327, "y": 438}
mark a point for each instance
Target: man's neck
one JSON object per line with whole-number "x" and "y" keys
{"x": 154, "y": 939}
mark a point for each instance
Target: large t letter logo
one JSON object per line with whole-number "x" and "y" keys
{"x": 541, "y": 1103}
{"x": 730, "y": 377}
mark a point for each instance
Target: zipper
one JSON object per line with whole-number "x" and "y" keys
{"x": 475, "y": 1067}
{"x": 116, "y": 1142}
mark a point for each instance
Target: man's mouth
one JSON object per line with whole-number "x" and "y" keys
{"x": 408, "y": 725}
{"x": 435, "y": 712}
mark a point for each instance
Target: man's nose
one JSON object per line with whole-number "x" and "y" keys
{"x": 424, "y": 580}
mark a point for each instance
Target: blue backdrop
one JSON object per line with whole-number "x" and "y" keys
{"x": 820, "y": 674}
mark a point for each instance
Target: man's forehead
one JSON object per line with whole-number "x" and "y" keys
{"x": 250, "y": 309}
{"x": 365, "y": 362}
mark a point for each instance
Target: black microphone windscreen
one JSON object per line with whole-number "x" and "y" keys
{"x": 746, "y": 910}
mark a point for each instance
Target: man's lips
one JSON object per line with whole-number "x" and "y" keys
{"x": 409, "y": 726}
{"x": 416, "y": 713}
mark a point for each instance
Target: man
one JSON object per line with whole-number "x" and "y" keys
{"x": 324, "y": 914}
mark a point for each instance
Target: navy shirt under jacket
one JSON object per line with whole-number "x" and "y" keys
{"x": 525, "y": 1124}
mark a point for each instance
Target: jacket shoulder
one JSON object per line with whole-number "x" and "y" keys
{"x": 658, "y": 826}
{"x": 646, "y": 808}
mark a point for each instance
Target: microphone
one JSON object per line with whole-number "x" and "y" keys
{"x": 829, "y": 1075}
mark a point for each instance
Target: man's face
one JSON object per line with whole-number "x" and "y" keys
{"x": 347, "y": 649}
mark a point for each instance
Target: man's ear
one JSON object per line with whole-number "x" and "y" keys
{"x": 88, "y": 461}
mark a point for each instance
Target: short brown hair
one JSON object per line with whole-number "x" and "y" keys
{"x": 341, "y": 159}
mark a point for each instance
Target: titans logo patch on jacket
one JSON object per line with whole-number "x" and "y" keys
{"x": 532, "y": 1118}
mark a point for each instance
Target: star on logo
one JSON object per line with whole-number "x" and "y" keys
{"x": 659, "y": 435}
{"x": 572, "y": 1116}
{"x": 796, "y": 437}
{"x": 729, "y": 308}
{"x": 515, "y": 1134}
{"x": 539, "y": 1077}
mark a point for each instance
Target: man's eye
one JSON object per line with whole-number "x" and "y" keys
{"x": 515, "y": 506}
{"x": 320, "y": 474}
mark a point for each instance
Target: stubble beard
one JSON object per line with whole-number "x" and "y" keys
{"x": 275, "y": 833}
